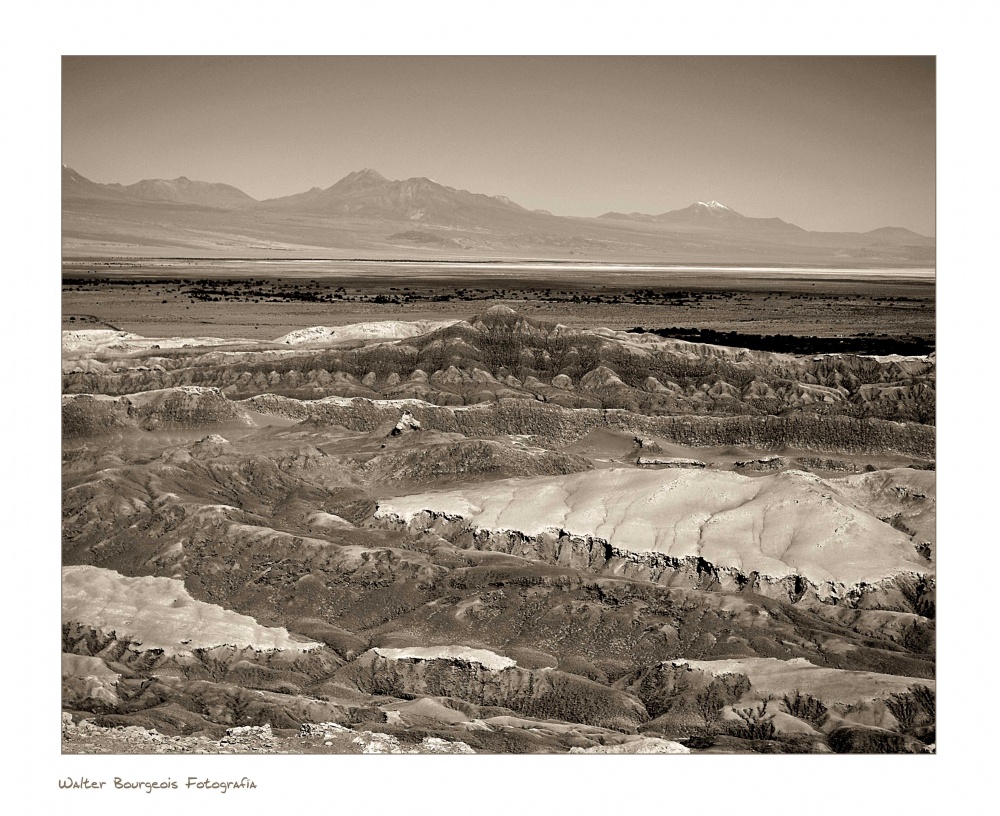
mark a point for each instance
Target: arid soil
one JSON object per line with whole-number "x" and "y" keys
{"x": 159, "y": 299}
{"x": 507, "y": 530}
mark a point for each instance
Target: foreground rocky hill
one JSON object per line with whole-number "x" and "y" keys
{"x": 494, "y": 535}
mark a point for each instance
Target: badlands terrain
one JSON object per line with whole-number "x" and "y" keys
{"x": 460, "y": 527}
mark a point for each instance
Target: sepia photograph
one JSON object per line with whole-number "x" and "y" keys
{"x": 405, "y": 402}
{"x": 484, "y": 388}
{"x": 498, "y": 405}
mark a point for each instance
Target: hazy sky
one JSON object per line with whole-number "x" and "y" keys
{"x": 829, "y": 143}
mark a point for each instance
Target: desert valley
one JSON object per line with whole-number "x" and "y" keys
{"x": 394, "y": 468}
{"x": 495, "y": 405}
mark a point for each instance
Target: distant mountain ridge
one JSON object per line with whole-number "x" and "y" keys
{"x": 708, "y": 215}
{"x": 183, "y": 190}
{"x": 366, "y": 211}
{"x": 180, "y": 190}
{"x": 366, "y": 193}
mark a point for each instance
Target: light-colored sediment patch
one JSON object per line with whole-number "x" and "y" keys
{"x": 109, "y": 340}
{"x": 908, "y": 495}
{"x": 769, "y": 675}
{"x": 426, "y": 708}
{"x": 378, "y": 330}
{"x": 642, "y": 745}
{"x": 484, "y": 657}
{"x": 159, "y": 613}
{"x": 321, "y": 519}
{"x": 348, "y": 402}
{"x": 791, "y": 523}
{"x": 74, "y": 665}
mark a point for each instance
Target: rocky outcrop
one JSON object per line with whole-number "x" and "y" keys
{"x": 906, "y": 591}
{"x": 668, "y": 462}
{"x": 641, "y": 745}
{"x": 544, "y": 694}
{"x": 496, "y": 356}
{"x": 175, "y": 705}
{"x": 686, "y": 696}
{"x": 468, "y": 458}
{"x": 563, "y": 426}
{"x": 181, "y": 407}
{"x": 94, "y": 415}
{"x": 120, "y": 655}
{"x": 87, "y": 737}
{"x": 767, "y": 464}
{"x": 860, "y": 740}
{"x": 160, "y": 614}
{"x": 406, "y": 424}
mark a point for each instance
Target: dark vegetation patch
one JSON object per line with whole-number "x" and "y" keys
{"x": 865, "y": 343}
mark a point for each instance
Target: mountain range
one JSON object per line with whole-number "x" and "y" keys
{"x": 366, "y": 215}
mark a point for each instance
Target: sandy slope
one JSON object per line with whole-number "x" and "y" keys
{"x": 906, "y": 495}
{"x": 772, "y": 676}
{"x": 789, "y": 523}
{"x": 159, "y": 613}
{"x": 74, "y": 665}
{"x": 92, "y": 341}
{"x": 380, "y": 330}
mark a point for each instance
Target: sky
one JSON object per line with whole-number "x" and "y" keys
{"x": 828, "y": 143}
